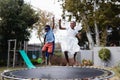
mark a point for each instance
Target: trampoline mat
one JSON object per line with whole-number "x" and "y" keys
{"x": 58, "y": 72}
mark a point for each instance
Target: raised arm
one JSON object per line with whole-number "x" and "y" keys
{"x": 53, "y": 23}
{"x": 60, "y": 27}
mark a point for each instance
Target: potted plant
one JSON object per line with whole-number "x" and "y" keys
{"x": 104, "y": 55}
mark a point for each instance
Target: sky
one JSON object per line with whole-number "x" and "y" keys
{"x": 48, "y": 5}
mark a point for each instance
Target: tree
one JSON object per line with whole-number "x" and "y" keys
{"x": 107, "y": 15}
{"x": 44, "y": 18}
{"x": 80, "y": 10}
{"x": 97, "y": 14}
{"x": 16, "y": 20}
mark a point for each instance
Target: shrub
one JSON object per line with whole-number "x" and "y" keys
{"x": 86, "y": 62}
{"x": 104, "y": 54}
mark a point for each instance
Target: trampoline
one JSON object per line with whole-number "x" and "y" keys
{"x": 58, "y": 73}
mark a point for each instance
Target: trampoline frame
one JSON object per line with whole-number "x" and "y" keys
{"x": 8, "y": 75}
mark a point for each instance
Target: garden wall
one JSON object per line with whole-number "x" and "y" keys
{"x": 115, "y": 56}
{"x": 93, "y": 56}
{"x": 85, "y": 54}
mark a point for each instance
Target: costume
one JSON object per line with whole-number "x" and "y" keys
{"x": 70, "y": 42}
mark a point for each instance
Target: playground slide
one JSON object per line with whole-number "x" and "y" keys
{"x": 26, "y": 59}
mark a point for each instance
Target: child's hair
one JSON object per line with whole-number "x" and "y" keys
{"x": 47, "y": 27}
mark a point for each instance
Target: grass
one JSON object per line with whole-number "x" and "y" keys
{"x": 117, "y": 71}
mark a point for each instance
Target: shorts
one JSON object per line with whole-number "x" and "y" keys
{"x": 48, "y": 47}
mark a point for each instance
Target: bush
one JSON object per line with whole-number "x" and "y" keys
{"x": 104, "y": 54}
{"x": 86, "y": 62}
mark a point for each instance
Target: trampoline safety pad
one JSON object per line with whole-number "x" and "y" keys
{"x": 58, "y": 72}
